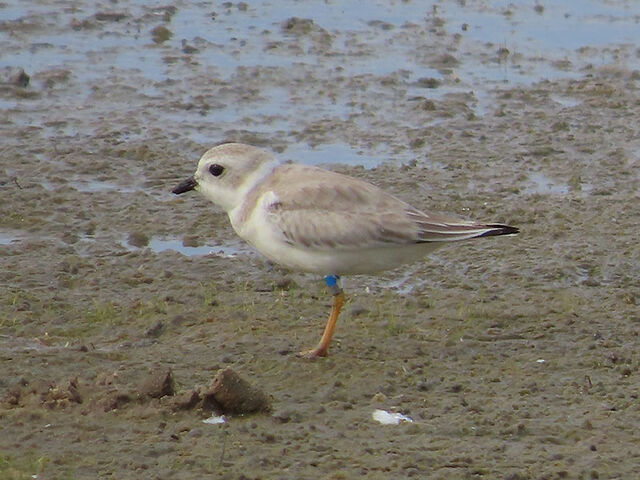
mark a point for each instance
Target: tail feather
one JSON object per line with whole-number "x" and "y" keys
{"x": 440, "y": 228}
{"x": 498, "y": 229}
{"x": 452, "y": 232}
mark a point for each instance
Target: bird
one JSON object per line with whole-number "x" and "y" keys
{"x": 309, "y": 219}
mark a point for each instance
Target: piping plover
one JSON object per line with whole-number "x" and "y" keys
{"x": 313, "y": 220}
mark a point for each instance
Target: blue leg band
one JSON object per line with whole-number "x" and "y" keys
{"x": 333, "y": 282}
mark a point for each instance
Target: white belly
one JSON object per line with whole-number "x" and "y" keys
{"x": 353, "y": 262}
{"x": 337, "y": 260}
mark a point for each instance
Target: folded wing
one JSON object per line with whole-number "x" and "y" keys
{"x": 325, "y": 210}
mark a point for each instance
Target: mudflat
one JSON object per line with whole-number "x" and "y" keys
{"x": 515, "y": 358}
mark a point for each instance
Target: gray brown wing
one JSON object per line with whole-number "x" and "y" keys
{"x": 325, "y": 210}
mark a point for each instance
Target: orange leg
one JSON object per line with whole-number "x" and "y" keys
{"x": 323, "y": 345}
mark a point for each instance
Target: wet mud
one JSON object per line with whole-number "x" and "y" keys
{"x": 515, "y": 358}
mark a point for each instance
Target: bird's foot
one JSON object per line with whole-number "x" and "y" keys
{"x": 312, "y": 354}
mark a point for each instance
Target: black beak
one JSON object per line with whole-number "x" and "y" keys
{"x": 185, "y": 186}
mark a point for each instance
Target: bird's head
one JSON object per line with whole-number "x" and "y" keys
{"x": 227, "y": 172}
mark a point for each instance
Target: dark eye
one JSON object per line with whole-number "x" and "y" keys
{"x": 216, "y": 170}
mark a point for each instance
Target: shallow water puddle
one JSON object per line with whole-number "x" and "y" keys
{"x": 565, "y": 101}
{"x": 405, "y": 282}
{"x": 91, "y": 186}
{"x": 541, "y": 184}
{"x": 328, "y": 154}
{"x": 340, "y": 153}
{"x": 229, "y": 39}
{"x": 523, "y": 25}
{"x": 94, "y": 186}
{"x": 8, "y": 237}
{"x": 159, "y": 245}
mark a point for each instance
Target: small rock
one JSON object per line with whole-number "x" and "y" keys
{"x": 15, "y": 76}
{"x": 72, "y": 390}
{"x": 285, "y": 283}
{"x": 379, "y": 398}
{"x": 155, "y": 330}
{"x": 288, "y": 415}
{"x": 54, "y": 76}
{"x": 232, "y": 394}
{"x": 428, "y": 82}
{"x": 161, "y": 34}
{"x": 425, "y": 386}
{"x": 116, "y": 400}
{"x": 186, "y": 400}
{"x": 447, "y": 60}
{"x": 158, "y": 385}
{"x": 179, "y": 320}
{"x": 138, "y": 239}
{"x": 61, "y": 397}
{"x": 12, "y": 397}
{"x": 69, "y": 238}
{"x": 109, "y": 16}
{"x": 188, "y": 49}
{"x": 298, "y": 26}
{"x": 191, "y": 241}
{"x": 357, "y": 310}
{"x": 194, "y": 433}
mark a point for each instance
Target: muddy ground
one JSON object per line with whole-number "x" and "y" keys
{"x": 515, "y": 357}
